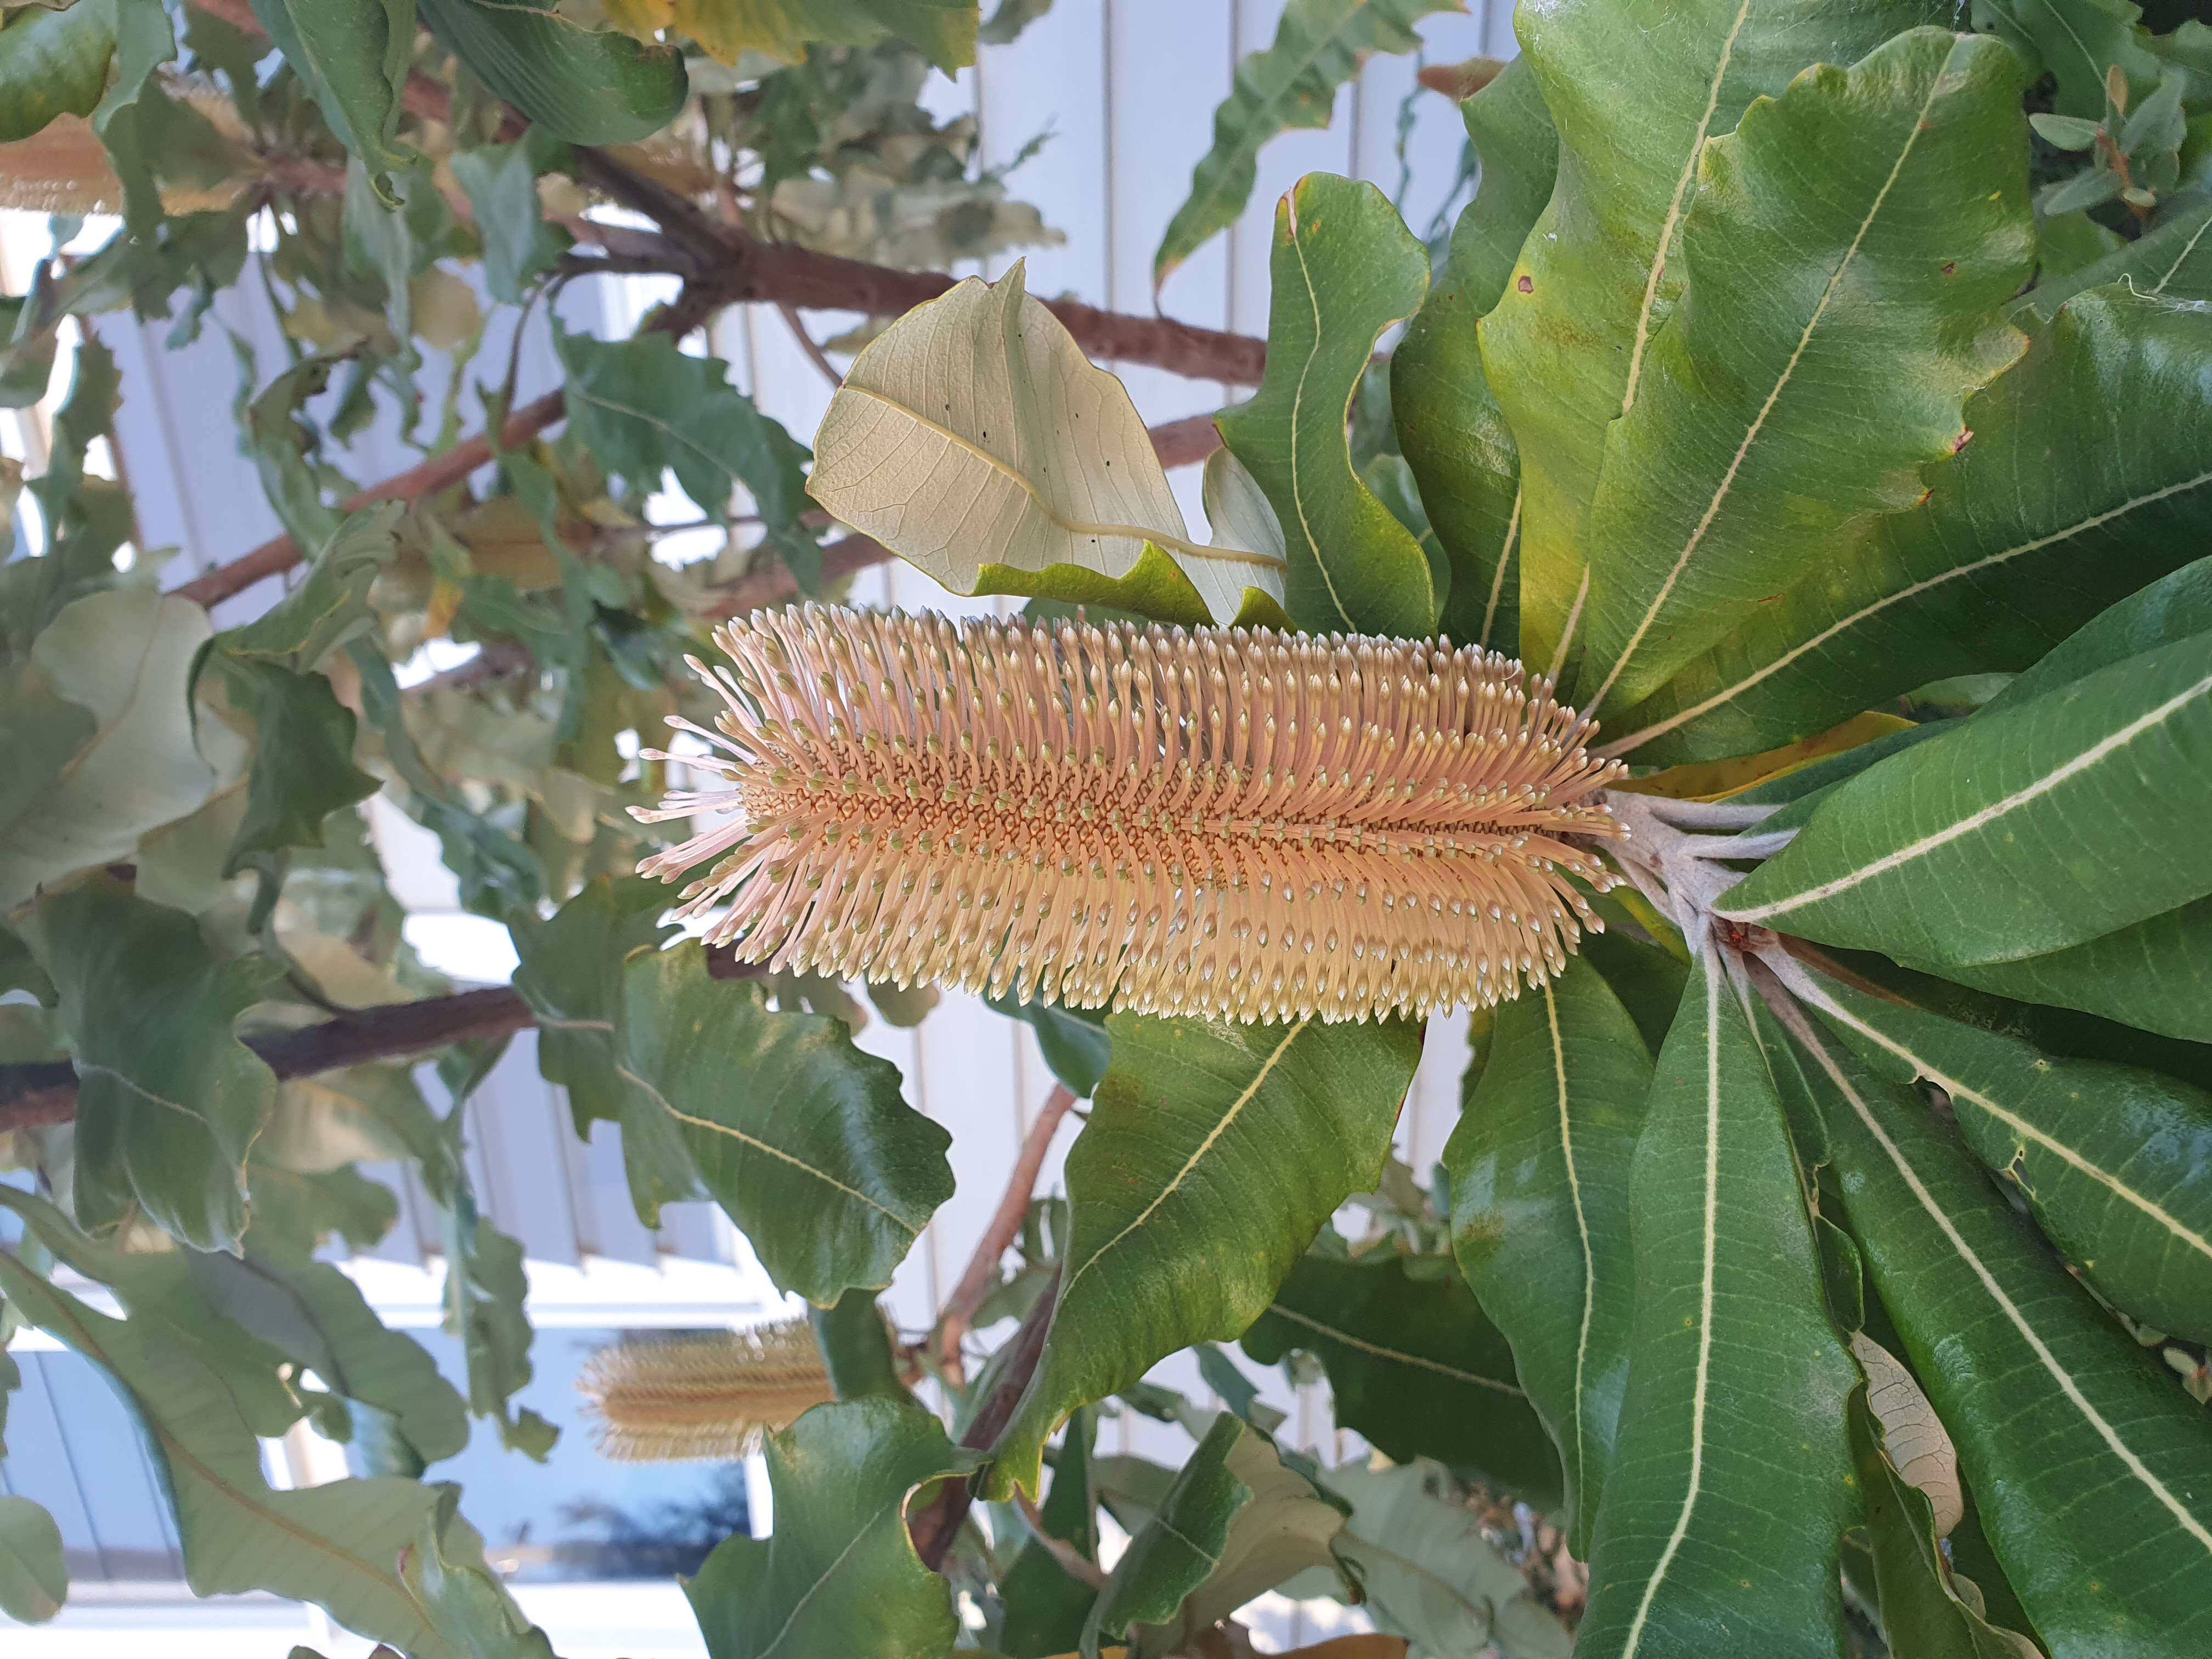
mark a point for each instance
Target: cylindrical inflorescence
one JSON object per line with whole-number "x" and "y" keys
{"x": 681, "y": 1399}
{"x": 1217, "y": 822}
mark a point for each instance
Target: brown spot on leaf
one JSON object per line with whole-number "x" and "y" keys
{"x": 1950, "y": 266}
{"x": 1527, "y": 284}
{"x": 1966, "y": 436}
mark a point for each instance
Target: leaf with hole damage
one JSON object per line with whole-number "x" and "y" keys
{"x": 1213, "y": 1155}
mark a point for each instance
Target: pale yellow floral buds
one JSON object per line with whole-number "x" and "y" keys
{"x": 1212, "y": 822}
{"x": 681, "y": 1399}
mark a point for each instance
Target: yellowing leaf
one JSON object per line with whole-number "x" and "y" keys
{"x": 975, "y": 433}
{"x": 1718, "y": 780}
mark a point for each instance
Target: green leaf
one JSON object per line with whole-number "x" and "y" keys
{"x": 1180, "y": 1545}
{"x": 2060, "y": 519}
{"x": 585, "y": 85}
{"x": 2177, "y": 606}
{"x": 336, "y": 1544}
{"x": 643, "y": 406}
{"x": 1449, "y": 424}
{"x": 1647, "y": 976}
{"x": 315, "y": 1316}
{"x": 55, "y": 60}
{"x": 839, "y": 1575}
{"x": 1706, "y": 507}
{"x": 501, "y": 182}
{"x": 485, "y": 1283}
{"x": 1285, "y": 1527}
{"x": 329, "y": 606}
{"x": 1027, "y": 465}
{"x": 2115, "y": 1162}
{"x": 2172, "y": 261}
{"x": 570, "y": 974}
{"x": 942, "y": 31}
{"x": 856, "y": 1346}
{"x": 815, "y": 1155}
{"x": 53, "y": 63}
{"x": 353, "y": 55}
{"x": 1952, "y": 851}
{"x": 1415, "y": 1366}
{"x": 2155, "y": 975}
{"x": 303, "y": 768}
{"x": 2090, "y": 1469}
{"x": 34, "y": 1583}
{"x": 1539, "y": 1168}
{"x": 2078, "y": 41}
{"x": 1925, "y": 1611}
{"x": 168, "y": 1099}
{"x": 1567, "y": 347}
{"x": 1344, "y": 269}
{"x": 275, "y": 433}
{"x": 486, "y": 1287}
{"x": 1318, "y": 46}
{"x": 2067, "y": 131}
{"x": 1073, "y": 1041}
{"x": 1213, "y": 1155}
{"x": 1045, "y": 1608}
{"x": 464, "y": 1598}
{"x": 1427, "y": 1572}
{"x": 158, "y": 1292}
{"x": 99, "y": 741}
{"x": 1727, "y": 1496}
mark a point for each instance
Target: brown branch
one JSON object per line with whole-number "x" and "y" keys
{"x": 936, "y": 1527}
{"x": 983, "y": 1275}
{"x": 33, "y": 1096}
{"x": 724, "y": 263}
{"x": 276, "y": 557}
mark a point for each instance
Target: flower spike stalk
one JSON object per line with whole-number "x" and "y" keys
{"x": 1215, "y": 822}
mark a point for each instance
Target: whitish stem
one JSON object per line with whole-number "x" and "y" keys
{"x": 1676, "y": 860}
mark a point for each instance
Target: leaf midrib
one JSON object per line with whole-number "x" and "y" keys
{"x": 2059, "y": 1374}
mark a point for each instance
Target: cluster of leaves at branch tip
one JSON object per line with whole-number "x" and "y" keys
{"x": 1731, "y": 617}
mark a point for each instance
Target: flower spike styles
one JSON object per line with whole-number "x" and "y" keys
{"x": 1217, "y": 822}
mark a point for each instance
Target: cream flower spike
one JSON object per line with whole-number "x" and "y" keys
{"x": 1218, "y": 822}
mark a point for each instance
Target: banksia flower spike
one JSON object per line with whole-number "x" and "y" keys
{"x": 1214, "y": 822}
{"x": 682, "y": 1399}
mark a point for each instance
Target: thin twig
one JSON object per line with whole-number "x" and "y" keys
{"x": 807, "y": 344}
{"x": 279, "y": 555}
{"x": 1072, "y": 1561}
{"x": 983, "y": 1275}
